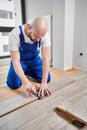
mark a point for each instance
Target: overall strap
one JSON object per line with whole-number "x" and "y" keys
{"x": 39, "y": 43}
{"x": 21, "y": 34}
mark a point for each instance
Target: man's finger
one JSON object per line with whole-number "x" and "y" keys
{"x": 50, "y": 92}
{"x": 40, "y": 93}
{"x": 47, "y": 92}
{"x": 33, "y": 88}
{"x": 28, "y": 92}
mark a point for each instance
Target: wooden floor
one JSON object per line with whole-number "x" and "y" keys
{"x": 69, "y": 91}
{"x": 6, "y": 93}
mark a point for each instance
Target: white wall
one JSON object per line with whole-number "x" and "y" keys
{"x": 17, "y": 8}
{"x": 68, "y": 33}
{"x": 68, "y": 16}
{"x": 35, "y": 8}
{"x": 80, "y": 35}
{"x": 63, "y": 29}
{"x": 58, "y": 33}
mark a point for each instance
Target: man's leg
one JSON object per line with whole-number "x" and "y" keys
{"x": 36, "y": 72}
{"x": 13, "y": 80}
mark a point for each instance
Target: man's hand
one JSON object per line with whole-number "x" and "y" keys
{"x": 30, "y": 89}
{"x": 44, "y": 90}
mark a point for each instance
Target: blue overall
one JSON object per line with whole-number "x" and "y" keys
{"x": 30, "y": 61}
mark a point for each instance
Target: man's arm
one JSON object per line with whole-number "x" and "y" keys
{"x": 45, "y": 52}
{"x": 15, "y": 55}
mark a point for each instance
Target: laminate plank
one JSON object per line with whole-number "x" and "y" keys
{"x": 7, "y": 93}
{"x": 60, "y": 83}
{"x": 49, "y": 120}
{"x": 37, "y": 124}
{"x": 33, "y": 111}
{"x": 3, "y": 71}
{"x": 80, "y": 108}
{"x": 80, "y": 75}
{"x": 77, "y": 105}
{"x": 16, "y": 102}
{"x": 57, "y": 123}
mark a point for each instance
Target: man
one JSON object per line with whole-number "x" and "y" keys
{"x": 24, "y": 44}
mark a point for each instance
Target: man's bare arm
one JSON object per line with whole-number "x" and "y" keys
{"x": 46, "y": 63}
{"x": 29, "y": 87}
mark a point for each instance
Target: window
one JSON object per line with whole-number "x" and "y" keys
{"x": 6, "y": 14}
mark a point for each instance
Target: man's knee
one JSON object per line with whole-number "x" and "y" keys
{"x": 13, "y": 85}
{"x": 14, "y": 81}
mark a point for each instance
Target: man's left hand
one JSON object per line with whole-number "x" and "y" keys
{"x": 44, "y": 90}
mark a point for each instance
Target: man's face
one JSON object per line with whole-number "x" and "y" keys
{"x": 34, "y": 36}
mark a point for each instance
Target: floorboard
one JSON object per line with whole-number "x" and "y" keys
{"x": 69, "y": 92}
{"x": 18, "y": 101}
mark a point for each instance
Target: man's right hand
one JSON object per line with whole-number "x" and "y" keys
{"x": 30, "y": 89}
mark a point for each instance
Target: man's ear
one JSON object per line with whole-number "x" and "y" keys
{"x": 30, "y": 26}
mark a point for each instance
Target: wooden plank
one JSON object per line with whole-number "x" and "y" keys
{"x": 80, "y": 108}
{"x": 36, "y": 124}
{"x": 6, "y": 92}
{"x": 57, "y": 123}
{"x": 3, "y": 71}
{"x": 16, "y": 102}
{"x": 60, "y": 83}
{"x": 63, "y": 127}
{"x": 79, "y": 76}
{"x": 49, "y": 120}
{"x": 55, "y": 75}
{"x": 34, "y": 110}
{"x": 77, "y": 105}
{"x": 71, "y": 118}
{"x": 46, "y": 121}
{"x": 3, "y": 77}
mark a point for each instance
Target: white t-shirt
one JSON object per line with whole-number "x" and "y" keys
{"x": 14, "y": 40}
